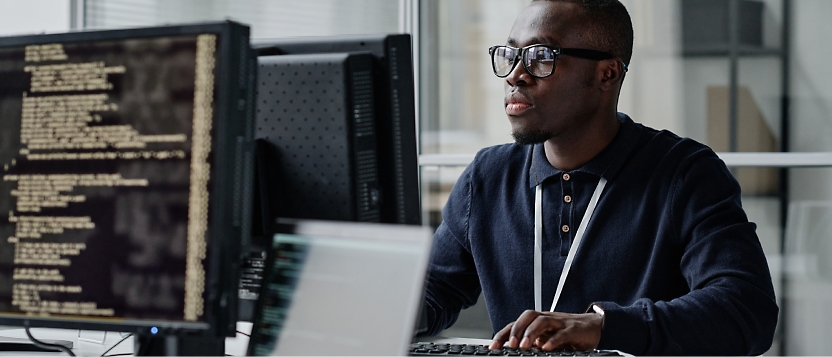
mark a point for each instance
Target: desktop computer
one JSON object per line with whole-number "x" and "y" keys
{"x": 125, "y": 182}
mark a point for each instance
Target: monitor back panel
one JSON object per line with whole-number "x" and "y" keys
{"x": 316, "y": 113}
{"x": 395, "y": 111}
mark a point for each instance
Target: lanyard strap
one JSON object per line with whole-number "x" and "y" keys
{"x": 538, "y": 251}
{"x": 538, "y": 236}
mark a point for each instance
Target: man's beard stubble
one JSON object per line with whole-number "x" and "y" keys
{"x": 530, "y": 137}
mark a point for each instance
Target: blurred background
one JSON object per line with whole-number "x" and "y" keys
{"x": 743, "y": 76}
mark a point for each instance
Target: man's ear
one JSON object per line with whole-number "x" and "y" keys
{"x": 612, "y": 73}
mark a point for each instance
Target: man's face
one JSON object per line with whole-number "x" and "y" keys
{"x": 543, "y": 108}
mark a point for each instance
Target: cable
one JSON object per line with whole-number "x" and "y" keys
{"x": 243, "y": 333}
{"x": 114, "y": 346}
{"x": 120, "y": 354}
{"x": 46, "y": 346}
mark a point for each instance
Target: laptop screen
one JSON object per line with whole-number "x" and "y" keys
{"x": 341, "y": 288}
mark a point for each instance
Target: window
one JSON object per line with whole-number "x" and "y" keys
{"x": 267, "y": 18}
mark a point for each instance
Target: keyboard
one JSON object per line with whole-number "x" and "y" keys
{"x": 434, "y": 349}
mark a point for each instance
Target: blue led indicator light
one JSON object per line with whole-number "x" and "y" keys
{"x": 154, "y": 330}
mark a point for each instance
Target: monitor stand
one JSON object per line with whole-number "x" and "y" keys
{"x": 154, "y": 345}
{"x": 12, "y": 344}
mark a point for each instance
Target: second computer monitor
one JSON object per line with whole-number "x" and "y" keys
{"x": 318, "y": 113}
{"x": 377, "y": 128}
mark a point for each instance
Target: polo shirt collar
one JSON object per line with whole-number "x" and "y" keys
{"x": 606, "y": 164}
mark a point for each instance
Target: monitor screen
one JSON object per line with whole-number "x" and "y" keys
{"x": 341, "y": 288}
{"x": 123, "y": 160}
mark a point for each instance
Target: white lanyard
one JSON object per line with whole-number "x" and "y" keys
{"x": 538, "y": 235}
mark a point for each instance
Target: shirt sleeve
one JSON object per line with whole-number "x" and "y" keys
{"x": 452, "y": 282}
{"x": 731, "y": 308}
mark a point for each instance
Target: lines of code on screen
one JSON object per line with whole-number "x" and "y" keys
{"x": 105, "y": 151}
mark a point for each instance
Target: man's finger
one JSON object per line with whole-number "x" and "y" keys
{"x": 501, "y": 337}
{"x": 518, "y": 331}
{"x": 580, "y": 333}
{"x": 541, "y": 328}
{"x": 559, "y": 339}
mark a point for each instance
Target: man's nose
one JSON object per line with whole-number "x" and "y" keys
{"x": 519, "y": 76}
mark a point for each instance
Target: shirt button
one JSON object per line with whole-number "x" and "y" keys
{"x": 566, "y": 177}
{"x": 565, "y": 228}
{"x": 567, "y": 198}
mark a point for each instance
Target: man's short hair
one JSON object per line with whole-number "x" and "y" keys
{"x": 608, "y": 26}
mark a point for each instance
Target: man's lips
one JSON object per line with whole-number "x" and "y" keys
{"x": 517, "y": 108}
{"x": 517, "y": 103}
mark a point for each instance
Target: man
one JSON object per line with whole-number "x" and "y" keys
{"x": 642, "y": 243}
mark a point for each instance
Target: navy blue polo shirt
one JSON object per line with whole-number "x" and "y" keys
{"x": 669, "y": 253}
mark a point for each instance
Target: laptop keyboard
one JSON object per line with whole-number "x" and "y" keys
{"x": 430, "y": 348}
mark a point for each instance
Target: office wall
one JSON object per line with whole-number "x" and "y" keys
{"x": 33, "y": 16}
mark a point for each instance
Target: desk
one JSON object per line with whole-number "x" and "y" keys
{"x": 235, "y": 346}
{"x": 455, "y": 340}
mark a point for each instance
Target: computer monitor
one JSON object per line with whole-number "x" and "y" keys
{"x": 393, "y": 111}
{"x": 125, "y": 163}
{"x": 318, "y": 113}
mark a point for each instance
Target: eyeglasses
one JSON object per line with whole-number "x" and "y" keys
{"x": 539, "y": 60}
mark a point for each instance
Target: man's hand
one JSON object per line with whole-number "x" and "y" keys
{"x": 551, "y": 330}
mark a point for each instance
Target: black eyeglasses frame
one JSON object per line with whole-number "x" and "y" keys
{"x": 574, "y": 52}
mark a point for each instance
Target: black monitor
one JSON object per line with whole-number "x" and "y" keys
{"x": 390, "y": 62}
{"x": 125, "y": 163}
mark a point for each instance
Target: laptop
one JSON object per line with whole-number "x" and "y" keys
{"x": 341, "y": 288}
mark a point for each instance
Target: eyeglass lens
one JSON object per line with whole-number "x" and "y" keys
{"x": 503, "y": 59}
{"x": 538, "y": 60}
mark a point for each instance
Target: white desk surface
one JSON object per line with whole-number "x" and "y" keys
{"x": 456, "y": 340}
{"x": 235, "y": 346}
